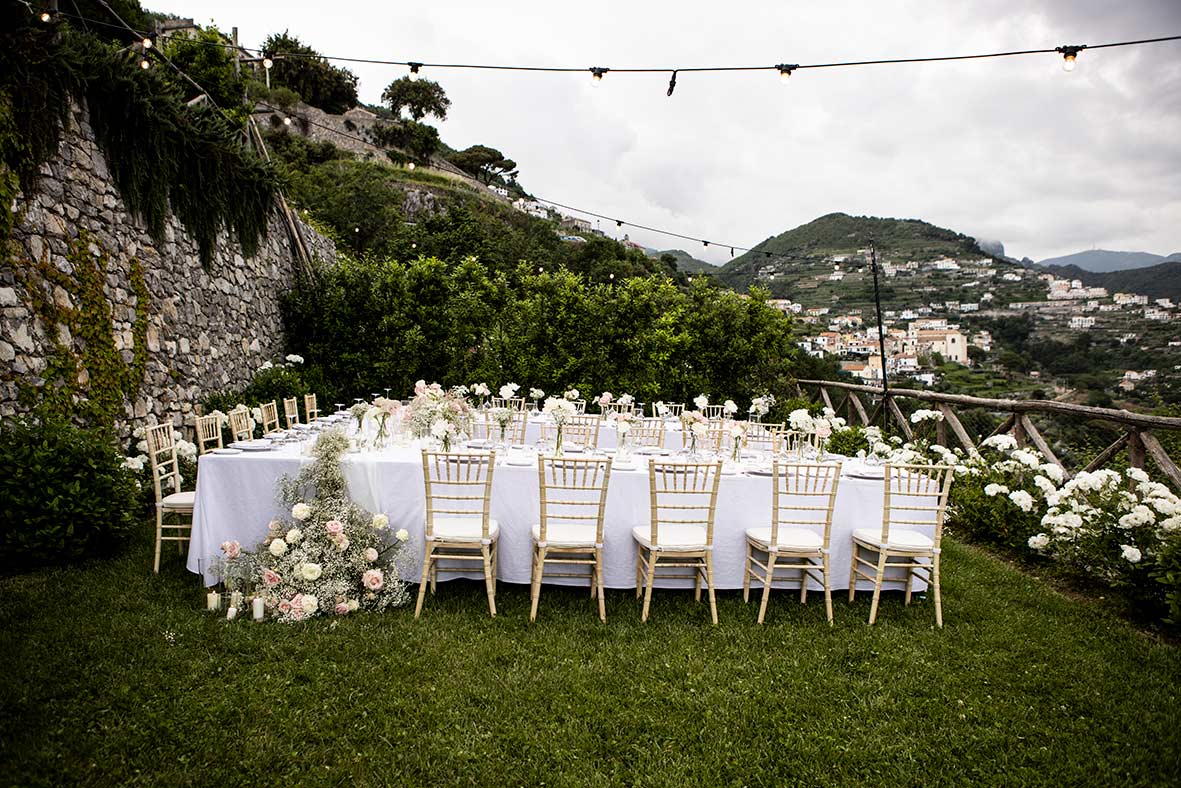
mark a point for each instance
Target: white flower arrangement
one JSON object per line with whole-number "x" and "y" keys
{"x": 335, "y": 561}
{"x": 922, "y": 415}
{"x": 536, "y": 394}
{"x": 729, "y": 408}
{"x": 801, "y": 421}
{"x": 433, "y": 405}
{"x": 571, "y": 395}
{"x": 604, "y": 399}
{"x": 509, "y": 390}
{"x": 626, "y": 400}
{"x": 293, "y": 358}
{"x": 701, "y": 401}
{"x": 481, "y": 390}
{"x": 559, "y": 410}
{"x": 760, "y": 406}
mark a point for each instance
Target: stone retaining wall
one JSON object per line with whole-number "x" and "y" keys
{"x": 206, "y": 330}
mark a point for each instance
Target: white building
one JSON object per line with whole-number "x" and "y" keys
{"x": 1081, "y": 322}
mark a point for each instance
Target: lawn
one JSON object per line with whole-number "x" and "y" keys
{"x": 113, "y": 676}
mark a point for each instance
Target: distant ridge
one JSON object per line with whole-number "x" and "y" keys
{"x": 1157, "y": 281}
{"x": 686, "y": 263}
{"x": 1105, "y": 261}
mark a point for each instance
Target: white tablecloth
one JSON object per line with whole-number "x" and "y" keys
{"x": 236, "y": 500}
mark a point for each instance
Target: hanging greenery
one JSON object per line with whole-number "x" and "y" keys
{"x": 163, "y": 154}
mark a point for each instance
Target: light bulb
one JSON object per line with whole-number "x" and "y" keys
{"x": 147, "y": 42}
{"x": 410, "y": 166}
{"x": 785, "y": 70}
{"x": 45, "y": 17}
{"x": 1068, "y": 61}
{"x": 414, "y": 71}
{"x": 144, "y": 64}
{"x": 267, "y": 63}
{"x": 286, "y": 121}
{"x": 597, "y": 73}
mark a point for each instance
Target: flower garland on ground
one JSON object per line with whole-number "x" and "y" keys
{"x": 331, "y": 556}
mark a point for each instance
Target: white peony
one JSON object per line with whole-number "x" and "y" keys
{"x": 309, "y": 604}
{"x": 730, "y": 407}
{"x": 1022, "y": 499}
{"x": 309, "y": 571}
{"x": 701, "y": 401}
{"x": 293, "y": 536}
{"x": 509, "y": 390}
{"x": 380, "y": 521}
{"x": 301, "y": 511}
{"x": 995, "y": 489}
{"x": 402, "y": 535}
{"x": 1130, "y": 554}
{"x": 277, "y": 547}
{"x": 536, "y": 393}
{"x": 799, "y": 419}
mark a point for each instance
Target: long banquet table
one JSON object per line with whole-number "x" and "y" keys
{"x": 236, "y": 498}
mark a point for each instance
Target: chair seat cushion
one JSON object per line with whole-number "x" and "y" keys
{"x": 463, "y": 529}
{"x": 674, "y": 536}
{"x": 900, "y": 539}
{"x": 179, "y": 500}
{"x": 800, "y": 539}
{"x": 566, "y": 535}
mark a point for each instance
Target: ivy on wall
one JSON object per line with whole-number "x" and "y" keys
{"x": 86, "y": 376}
{"x": 163, "y": 154}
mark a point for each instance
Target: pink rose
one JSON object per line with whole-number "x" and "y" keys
{"x": 231, "y": 549}
{"x": 373, "y": 579}
{"x": 420, "y": 387}
{"x": 334, "y": 527}
{"x": 276, "y": 526}
{"x": 285, "y": 607}
{"x": 270, "y": 579}
{"x": 342, "y": 608}
{"x": 370, "y": 554}
{"x": 823, "y": 430}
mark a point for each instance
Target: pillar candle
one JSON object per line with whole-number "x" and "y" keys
{"x": 235, "y": 599}
{"x": 259, "y": 608}
{"x": 232, "y": 613}
{"x": 212, "y": 601}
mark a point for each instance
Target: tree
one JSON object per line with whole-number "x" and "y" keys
{"x": 299, "y": 67}
{"x": 205, "y": 59}
{"x": 484, "y": 163}
{"x": 418, "y": 139}
{"x": 419, "y": 97}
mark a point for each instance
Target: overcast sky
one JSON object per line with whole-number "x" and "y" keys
{"x": 1011, "y": 149}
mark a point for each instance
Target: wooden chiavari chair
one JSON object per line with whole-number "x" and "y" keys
{"x": 485, "y": 427}
{"x": 915, "y": 498}
{"x": 762, "y": 437}
{"x": 713, "y": 412}
{"x": 270, "y": 417}
{"x": 570, "y": 532}
{"x": 579, "y": 430}
{"x": 716, "y": 438}
{"x": 789, "y": 442}
{"x": 208, "y": 430}
{"x": 291, "y": 411}
{"x": 512, "y": 403}
{"x": 648, "y": 433}
{"x": 310, "y": 409}
{"x": 802, "y": 500}
{"x": 683, "y": 503}
{"x": 459, "y": 526}
{"x": 579, "y": 405}
{"x": 240, "y": 427}
{"x": 674, "y": 409}
{"x": 166, "y": 476}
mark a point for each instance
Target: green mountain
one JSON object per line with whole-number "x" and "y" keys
{"x": 1103, "y": 261}
{"x": 686, "y": 263}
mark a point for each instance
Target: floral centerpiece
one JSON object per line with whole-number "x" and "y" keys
{"x": 330, "y": 556}
{"x": 624, "y": 421}
{"x": 438, "y": 414}
{"x": 695, "y": 427}
{"x": 729, "y": 408}
{"x": 559, "y": 411}
{"x": 626, "y": 401}
{"x": 509, "y": 390}
{"x": 359, "y": 412}
{"x": 482, "y": 391}
{"x": 503, "y": 417}
{"x": 385, "y": 410}
{"x": 604, "y": 400}
{"x": 761, "y": 406}
{"x": 737, "y": 440}
{"x": 571, "y": 395}
{"x": 536, "y": 395}
{"x": 701, "y": 401}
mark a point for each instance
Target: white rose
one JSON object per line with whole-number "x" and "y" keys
{"x": 277, "y": 547}
{"x": 1022, "y": 499}
{"x": 380, "y": 521}
{"x": 301, "y": 511}
{"x": 353, "y": 605}
{"x": 623, "y": 427}
{"x": 439, "y": 429}
{"x": 1039, "y": 542}
{"x": 402, "y": 535}
{"x": 370, "y": 554}
{"x": 1129, "y": 553}
{"x": 309, "y": 604}
{"x": 701, "y": 401}
{"x": 294, "y": 535}
{"x": 342, "y": 544}
{"x": 310, "y": 571}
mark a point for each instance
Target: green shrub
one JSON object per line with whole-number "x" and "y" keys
{"x": 64, "y": 494}
{"x": 848, "y": 441}
{"x": 277, "y": 382}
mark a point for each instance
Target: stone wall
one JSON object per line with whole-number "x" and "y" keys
{"x": 207, "y": 330}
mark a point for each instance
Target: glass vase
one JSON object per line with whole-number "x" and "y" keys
{"x": 559, "y": 447}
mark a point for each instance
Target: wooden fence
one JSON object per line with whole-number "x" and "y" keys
{"x": 867, "y": 405}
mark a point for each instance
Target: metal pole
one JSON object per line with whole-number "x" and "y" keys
{"x": 877, "y": 300}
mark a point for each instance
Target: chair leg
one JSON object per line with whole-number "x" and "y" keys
{"x": 877, "y": 586}
{"x": 489, "y": 579}
{"x": 827, "y": 590}
{"x": 803, "y": 586}
{"x": 426, "y": 570}
{"x": 639, "y": 575}
{"x": 768, "y": 576}
{"x": 709, "y": 581}
{"x": 159, "y": 539}
{"x": 938, "y": 597}
{"x": 599, "y": 581}
{"x": 746, "y": 570}
{"x": 909, "y": 585}
{"x": 853, "y": 573}
{"x": 535, "y": 590}
{"x": 434, "y": 576}
{"x": 651, "y": 577}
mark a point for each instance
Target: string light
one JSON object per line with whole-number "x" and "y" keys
{"x": 147, "y": 43}
{"x": 1069, "y": 54}
{"x": 414, "y": 70}
{"x": 672, "y": 84}
{"x": 267, "y": 63}
{"x": 286, "y": 121}
{"x": 144, "y": 64}
{"x": 45, "y": 16}
{"x": 785, "y": 70}
{"x": 410, "y": 165}
{"x": 597, "y": 73}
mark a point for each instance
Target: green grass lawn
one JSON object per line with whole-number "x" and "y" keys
{"x": 113, "y": 676}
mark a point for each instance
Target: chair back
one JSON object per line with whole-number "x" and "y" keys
{"x": 803, "y": 496}
{"x": 579, "y": 405}
{"x": 580, "y": 429}
{"x": 573, "y": 493}
{"x": 270, "y": 417}
{"x": 762, "y": 437}
{"x": 458, "y": 485}
{"x": 291, "y": 411}
{"x": 512, "y": 403}
{"x": 617, "y": 407}
{"x": 484, "y": 427}
{"x": 240, "y": 427}
{"x": 670, "y": 409}
{"x": 788, "y": 442}
{"x": 647, "y": 432}
{"x": 716, "y": 438}
{"x": 162, "y": 455}
{"x": 683, "y": 493}
{"x": 311, "y": 410}
{"x": 916, "y": 497}
{"x": 209, "y": 432}
{"x": 713, "y": 412}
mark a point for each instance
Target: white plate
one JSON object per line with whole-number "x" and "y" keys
{"x": 866, "y": 474}
{"x": 760, "y": 471}
{"x": 259, "y": 445}
{"x": 226, "y": 451}
{"x": 519, "y": 463}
